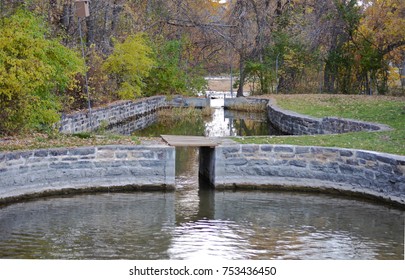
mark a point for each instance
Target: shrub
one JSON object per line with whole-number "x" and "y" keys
{"x": 34, "y": 71}
{"x": 129, "y": 64}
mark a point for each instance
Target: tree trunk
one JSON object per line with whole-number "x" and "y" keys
{"x": 402, "y": 73}
{"x": 106, "y": 31}
{"x": 65, "y": 19}
{"x": 329, "y": 79}
{"x": 115, "y": 16}
{"x": 241, "y": 77}
{"x": 90, "y": 30}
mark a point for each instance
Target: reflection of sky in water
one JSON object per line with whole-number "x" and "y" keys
{"x": 219, "y": 126}
{"x": 213, "y": 239}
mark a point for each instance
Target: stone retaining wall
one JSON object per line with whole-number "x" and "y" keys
{"x": 297, "y": 124}
{"x": 287, "y": 121}
{"x": 240, "y": 101}
{"x": 333, "y": 169}
{"x": 180, "y": 101}
{"x": 38, "y": 171}
{"x": 113, "y": 114}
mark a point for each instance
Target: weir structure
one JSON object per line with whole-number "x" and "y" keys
{"x": 224, "y": 164}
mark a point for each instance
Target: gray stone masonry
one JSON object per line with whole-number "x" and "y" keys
{"x": 235, "y": 102}
{"x": 180, "y": 101}
{"x": 297, "y": 124}
{"x": 287, "y": 121}
{"x": 137, "y": 111}
{"x": 38, "y": 171}
{"x": 113, "y": 114}
{"x": 344, "y": 170}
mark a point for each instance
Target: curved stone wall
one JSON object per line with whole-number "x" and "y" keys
{"x": 56, "y": 170}
{"x": 329, "y": 169}
{"x": 298, "y": 124}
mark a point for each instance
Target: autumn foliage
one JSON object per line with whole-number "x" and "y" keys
{"x": 34, "y": 72}
{"x": 148, "y": 47}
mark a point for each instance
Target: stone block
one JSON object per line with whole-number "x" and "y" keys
{"x": 236, "y": 161}
{"x": 283, "y": 149}
{"x": 82, "y": 151}
{"x": 121, "y": 155}
{"x": 298, "y": 163}
{"x": 151, "y": 163}
{"x": 231, "y": 149}
{"x": 302, "y": 150}
{"x": 366, "y": 155}
{"x": 12, "y": 156}
{"x": 250, "y": 148}
{"x": 385, "y": 168}
{"x": 266, "y": 148}
{"x": 386, "y": 159}
{"x": 59, "y": 165}
{"x": 59, "y": 152}
{"x": 82, "y": 164}
{"x": 105, "y": 154}
{"x": 258, "y": 162}
{"x": 345, "y": 153}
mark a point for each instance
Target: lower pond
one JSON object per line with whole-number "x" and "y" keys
{"x": 195, "y": 222}
{"x": 199, "y": 223}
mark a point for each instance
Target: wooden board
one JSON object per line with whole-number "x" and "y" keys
{"x": 189, "y": 141}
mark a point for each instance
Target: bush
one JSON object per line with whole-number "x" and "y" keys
{"x": 129, "y": 64}
{"x": 34, "y": 71}
{"x": 172, "y": 75}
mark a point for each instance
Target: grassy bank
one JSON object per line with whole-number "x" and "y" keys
{"x": 31, "y": 141}
{"x": 35, "y": 140}
{"x": 379, "y": 109}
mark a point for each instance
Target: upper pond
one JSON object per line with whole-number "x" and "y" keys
{"x": 216, "y": 122}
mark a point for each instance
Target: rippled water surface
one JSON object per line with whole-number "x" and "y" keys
{"x": 197, "y": 224}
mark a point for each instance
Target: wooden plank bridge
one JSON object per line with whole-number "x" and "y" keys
{"x": 189, "y": 141}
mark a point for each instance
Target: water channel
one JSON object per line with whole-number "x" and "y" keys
{"x": 195, "y": 222}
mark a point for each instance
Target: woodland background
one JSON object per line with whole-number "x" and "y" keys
{"x": 139, "y": 48}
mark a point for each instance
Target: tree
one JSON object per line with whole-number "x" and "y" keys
{"x": 381, "y": 41}
{"x": 130, "y": 64}
{"x": 172, "y": 75}
{"x": 34, "y": 72}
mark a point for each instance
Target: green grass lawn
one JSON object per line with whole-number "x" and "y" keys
{"x": 379, "y": 109}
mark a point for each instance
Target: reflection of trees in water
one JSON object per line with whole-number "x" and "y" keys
{"x": 186, "y": 160}
{"x": 188, "y": 123}
{"x": 250, "y": 127}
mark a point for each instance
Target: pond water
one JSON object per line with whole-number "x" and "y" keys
{"x": 195, "y": 222}
{"x": 220, "y": 123}
{"x": 199, "y": 223}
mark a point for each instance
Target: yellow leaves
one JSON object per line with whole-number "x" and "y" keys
{"x": 130, "y": 63}
{"x": 32, "y": 70}
{"x": 292, "y": 59}
{"x": 393, "y": 77}
{"x": 383, "y": 22}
